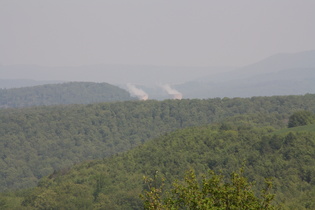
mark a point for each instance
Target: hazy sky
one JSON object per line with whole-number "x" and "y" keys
{"x": 153, "y": 32}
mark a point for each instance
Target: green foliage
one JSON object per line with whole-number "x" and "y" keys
{"x": 3, "y": 203}
{"x": 115, "y": 182}
{"x": 35, "y": 142}
{"x": 66, "y": 93}
{"x": 305, "y": 128}
{"x": 213, "y": 192}
{"x": 301, "y": 118}
{"x": 66, "y": 196}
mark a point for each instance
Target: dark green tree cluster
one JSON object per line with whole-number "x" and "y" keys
{"x": 301, "y": 118}
{"x": 65, "y": 93}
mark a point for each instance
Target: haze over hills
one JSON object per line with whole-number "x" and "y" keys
{"x": 282, "y": 61}
{"x": 113, "y": 74}
{"x": 17, "y": 83}
{"x": 148, "y": 77}
{"x": 280, "y": 74}
{"x": 286, "y": 82}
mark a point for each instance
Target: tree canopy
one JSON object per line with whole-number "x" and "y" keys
{"x": 116, "y": 182}
{"x": 38, "y": 140}
{"x": 301, "y": 118}
{"x": 136, "y": 138}
{"x": 213, "y": 192}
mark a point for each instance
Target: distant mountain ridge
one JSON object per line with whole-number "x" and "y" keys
{"x": 284, "y": 61}
{"x": 281, "y": 74}
{"x": 113, "y": 74}
{"x": 65, "y": 93}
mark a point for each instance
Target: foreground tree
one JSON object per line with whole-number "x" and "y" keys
{"x": 213, "y": 192}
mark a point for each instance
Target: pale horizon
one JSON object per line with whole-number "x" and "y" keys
{"x": 152, "y": 33}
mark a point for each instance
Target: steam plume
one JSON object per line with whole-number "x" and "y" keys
{"x": 137, "y": 92}
{"x": 174, "y": 93}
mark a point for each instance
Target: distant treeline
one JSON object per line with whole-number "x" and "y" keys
{"x": 65, "y": 93}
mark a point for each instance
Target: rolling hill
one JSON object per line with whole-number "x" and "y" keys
{"x": 116, "y": 182}
{"x": 65, "y": 93}
{"x": 38, "y": 140}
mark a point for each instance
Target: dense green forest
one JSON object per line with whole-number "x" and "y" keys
{"x": 284, "y": 155}
{"x": 65, "y": 93}
{"x": 38, "y": 141}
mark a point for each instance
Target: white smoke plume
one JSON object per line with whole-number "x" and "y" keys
{"x": 174, "y": 93}
{"x": 137, "y": 92}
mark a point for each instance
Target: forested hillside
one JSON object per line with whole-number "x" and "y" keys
{"x": 286, "y": 156}
{"x": 36, "y": 141}
{"x": 65, "y": 93}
